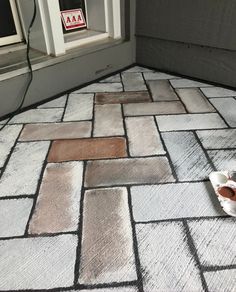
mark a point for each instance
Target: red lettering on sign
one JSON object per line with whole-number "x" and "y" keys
{"x": 68, "y": 19}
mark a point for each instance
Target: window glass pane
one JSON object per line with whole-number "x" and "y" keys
{"x": 7, "y": 27}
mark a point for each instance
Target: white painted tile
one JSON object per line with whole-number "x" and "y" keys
{"x": 113, "y": 78}
{"x": 38, "y": 116}
{"x": 171, "y": 201}
{"x": 37, "y": 263}
{"x": 137, "y": 69}
{"x": 227, "y": 108}
{"x": 58, "y": 102}
{"x": 23, "y": 169}
{"x": 166, "y": 259}
{"x": 143, "y": 137}
{"x": 182, "y": 83}
{"x": 79, "y": 107}
{"x": 108, "y": 120}
{"x": 7, "y": 139}
{"x": 190, "y": 122}
{"x": 115, "y": 289}
{"x": 14, "y": 215}
{"x": 218, "y": 92}
{"x": 215, "y": 241}
{"x": 133, "y": 82}
{"x": 158, "y": 76}
{"x": 223, "y": 159}
{"x": 100, "y": 87}
{"x": 219, "y": 281}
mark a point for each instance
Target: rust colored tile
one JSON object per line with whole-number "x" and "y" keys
{"x": 87, "y": 149}
{"x": 122, "y": 97}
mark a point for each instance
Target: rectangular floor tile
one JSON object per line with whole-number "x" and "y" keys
{"x": 114, "y": 78}
{"x": 107, "y": 245}
{"x": 227, "y": 108}
{"x": 101, "y": 87}
{"x": 162, "y": 91}
{"x": 8, "y": 137}
{"x": 116, "y": 289}
{"x": 182, "y": 83}
{"x": 56, "y": 131}
{"x": 223, "y": 159}
{"x": 58, "y": 202}
{"x": 58, "y": 102}
{"x": 219, "y": 281}
{"x": 87, "y": 149}
{"x": 215, "y": 241}
{"x": 14, "y": 215}
{"x": 218, "y": 92}
{"x": 171, "y": 201}
{"x": 217, "y": 139}
{"x": 194, "y": 100}
{"x": 48, "y": 115}
{"x": 108, "y": 120}
{"x": 154, "y": 108}
{"x": 143, "y": 137}
{"x": 37, "y": 263}
{"x": 128, "y": 171}
{"x": 138, "y": 69}
{"x": 23, "y": 170}
{"x": 187, "y": 156}
{"x": 79, "y": 107}
{"x": 122, "y": 97}
{"x": 158, "y": 76}
{"x": 166, "y": 259}
{"x": 190, "y": 122}
{"x": 133, "y": 81}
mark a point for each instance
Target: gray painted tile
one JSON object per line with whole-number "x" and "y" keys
{"x": 133, "y": 81}
{"x": 217, "y": 139}
{"x": 219, "y": 281}
{"x": 227, "y": 108}
{"x": 182, "y": 83}
{"x": 190, "y": 122}
{"x": 57, "y": 205}
{"x": 215, "y": 241}
{"x": 107, "y": 244}
{"x": 113, "y": 78}
{"x": 143, "y": 137}
{"x": 170, "y": 201}
{"x": 158, "y": 76}
{"x": 58, "y": 102}
{"x": 79, "y": 107}
{"x": 154, "y": 108}
{"x": 108, "y": 120}
{"x": 32, "y": 132}
{"x": 194, "y": 100}
{"x": 128, "y": 171}
{"x": 23, "y": 169}
{"x": 37, "y": 263}
{"x": 218, "y": 92}
{"x": 38, "y": 116}
{"x": 101, "y": 87}
{"x": 161, "y": 90}
{"x": 7, "y": 139}
{"x": 122, "y": 97}
{"x": 187, "y": 156}
{"x": 165, "y": 258}
{"x": 223, "y": 159}
{"x": 14, "y": 215}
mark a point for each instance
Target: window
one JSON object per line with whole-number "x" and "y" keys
{"x": 10, "y": 31}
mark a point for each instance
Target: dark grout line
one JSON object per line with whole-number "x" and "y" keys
{"x": 122, "y": 81}
{"x": 37, "y": 190}
{"x": 135, "y": 245}
{"x": 65, "y": 107}
{"x": 80, "y": 229}
{"x": 205, "y": 129}
{"x": 93, "y": 116}
{"x": 194, "y": 253}
{"x": 107, "y": 285}
{"x": 125, "y": 130}
{"x": 20, "y": 197}
{"x": 148, "y": 88}
{"x": 216, "y": 268}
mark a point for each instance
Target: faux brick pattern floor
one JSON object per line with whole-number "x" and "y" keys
{"x": 106, "y": 188}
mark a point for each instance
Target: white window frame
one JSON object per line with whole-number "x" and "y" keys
{"x": 18, "y": 36}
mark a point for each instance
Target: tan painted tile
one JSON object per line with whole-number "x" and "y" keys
{"x": 122, "y": 97}
{"x": 161, "y": 90}
{"x": 128, "y": 171}
{"x": 107, "y": 245}
{"x": 58, "y": 203}
{"x": 56, "y": 131}
{"x": 86, "y": 149}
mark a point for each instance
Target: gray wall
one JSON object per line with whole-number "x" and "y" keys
{"x": 189, "y": 37}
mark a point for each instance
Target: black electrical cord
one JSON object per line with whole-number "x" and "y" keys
{"x": 29, "y": 66}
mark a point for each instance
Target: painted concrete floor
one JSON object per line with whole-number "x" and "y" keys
{"x": 106, "y": 189}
